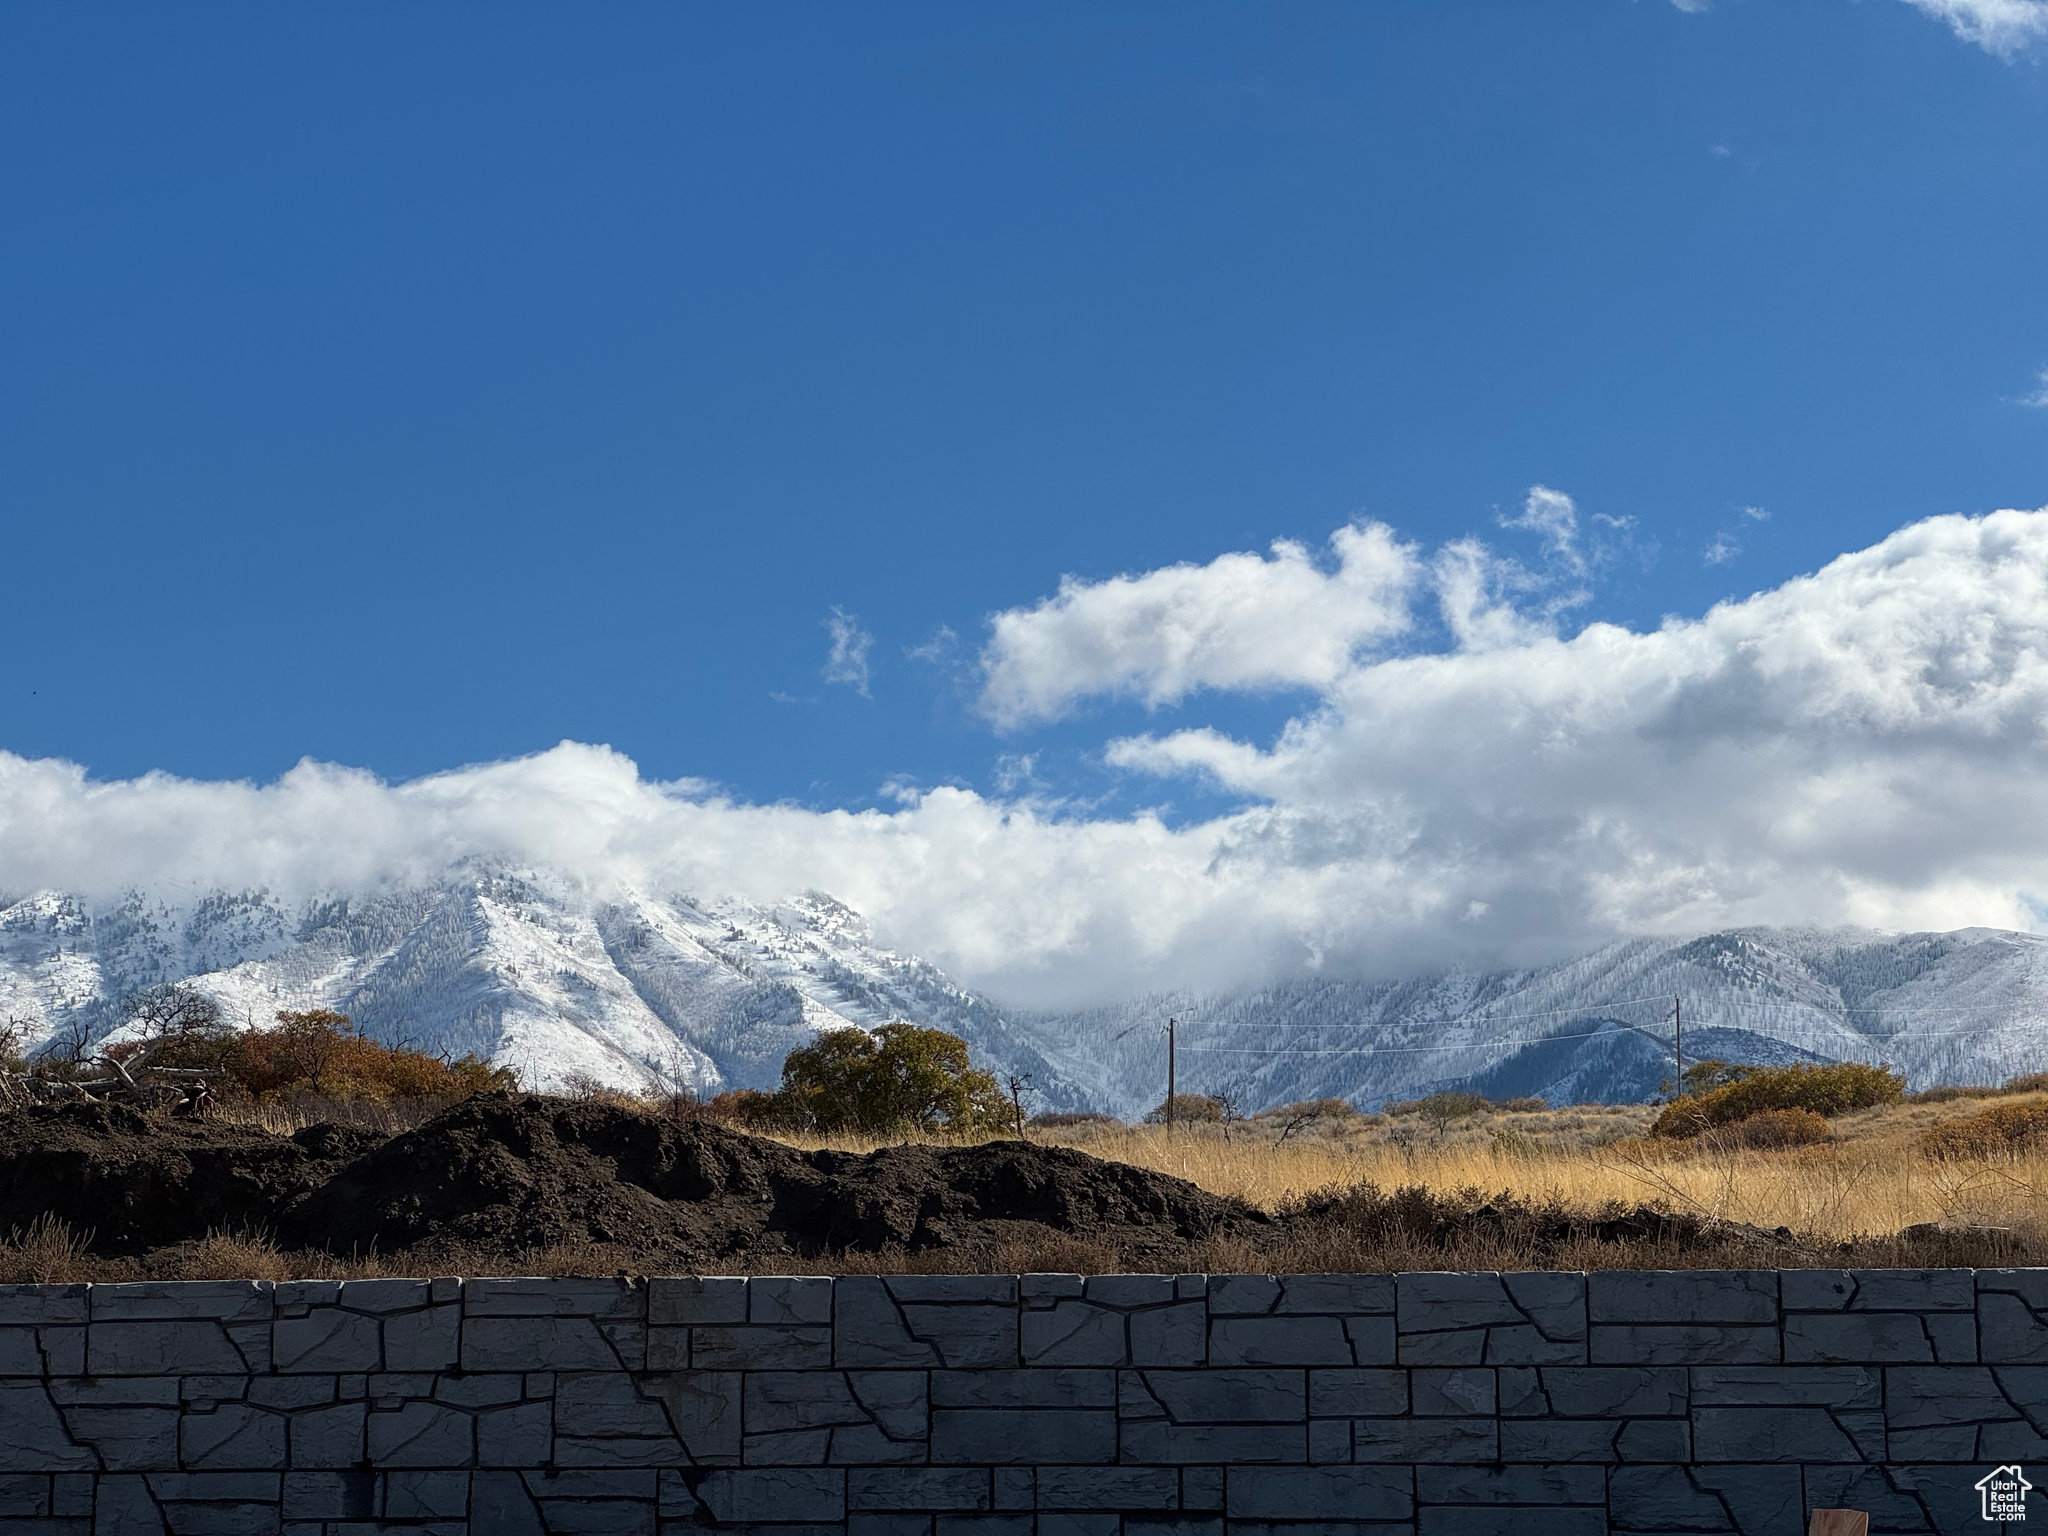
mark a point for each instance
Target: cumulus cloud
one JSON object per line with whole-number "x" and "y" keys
{"x": 1867, "y": 744}
{"x": 2003, "y": 27}
{"x": 846, "y": 661}
{"x": 2039, "y": 398}
{"x": 1242, "y": 621}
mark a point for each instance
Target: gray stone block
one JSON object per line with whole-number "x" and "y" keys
{"x": 954, "y": 1290}
{"x": 1425, "y": 1440}
{"x": 329, "y": 1438}
{"x": 1172, "y": 1525}
{"x": 1683, "y": 1344}
{"x": 383, "y": 1298}
{"x": 2030, "y": 1285}
{"x": 1329, "y": 1440}
{"x": 122, "y": 1506}
{"x": 20, "y": 1352}
{"x": 1278, "y": 1341}
{"x": 327, "y": 1339}
{"x": 421, "y": 1435}
{"x": 1434, "y": 1303}
{"x": 1655, "y": 1440}
{"x": 1373, "y": 1340}
{"x": 1242, "y": 1295}
{"x": 895, "y": 1523}
{"x": 329, "y": 1495}
{"x": 2008, "y": 1331}
{"x": 1683, "y": 1296}
{"x": 984, "y": 1525}
{"x": 484, "y": 1391}
{"x": 789, "y": 1299}
{"x": 869, "y": 1332}
{"x": 1827, "y": 1386}
{"x": 1764, "y": 1500}
{"x": 162, "y": 1348}
{"x": 1529, "y": 1345}
{"x": 1662, "y": 1499}
{"x": 289, "y": 1392}
{"x": 1341, "y": 1295}
{"x": 1940, "y": 1395}
{"x": 1521, "y": 1392}
{"x": 225, "y": 1301}
{"x": 23, "y": 1496}
{"x": 1770, "y": 1435}
{"x": 422, "y": 1495}
{"x": 521, "y": 1435}
{"x": 535, "y": 1343}
{"x": 1612, "y": 1392}
{"x": 1019, "y": 1437}
{"x": 705, "y": 1409}
{"x": 32, "y": 1306}
{"x": 689, "y": 1299}
{"x": 1170, "y": 1336}
{"x": 127, "y": 1439}
{"x": 233, "y": 1438}
{"x": 783, "y": 1495}
{"x": 1229, "y": 1396}
{"x": 36, "y": 1438}
{"x": 1875, "y": 1337}
{"x": 63, "y": 1350}
{"x": 1453, "y": 1393}
{"x": 609, "y": 1301}
{"x": 1954, "y": 1336}
{"x": 1357, "y": 1394}
{"x": 1130, "y": 1291}
{"x": 922, "y": 1488}
{"x": 1201, "y": 1488}
{"x": 1077, "y": 1523}
{"x": 1554, "y": 1302}
{"x": 1158, "y": 1442}
{"x": 1023, "y": 1389}
{"x": 1320, "y": 1493}
{"x": 1321, "y": 1528}
{"x": 1544, "y": 1485}
{"x": 965, "y": 1335}
{"x": 607, "y": 1404}
{"x": 1563, "y": 1440}
{"x": 426, "y": 1340}
{"x": 1462, "y": 1346}
{"x": 1048, "y": 1290}
{"x": 1072, "y": 1332}
{"x": 1108, "y": 1488}
{"x": 1481, "y": 1520}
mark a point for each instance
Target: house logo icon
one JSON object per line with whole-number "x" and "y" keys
{"x": 2005, "y": 1494}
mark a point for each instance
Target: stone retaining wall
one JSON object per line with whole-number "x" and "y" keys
{"x": 1041, "y": 1405}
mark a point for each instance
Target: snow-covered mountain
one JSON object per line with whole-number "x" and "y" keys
{"x": 635, "y": 990}
{"x": 519, "y": 967}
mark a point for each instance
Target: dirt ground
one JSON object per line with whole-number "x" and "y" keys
{"x": 513, "y": 1184}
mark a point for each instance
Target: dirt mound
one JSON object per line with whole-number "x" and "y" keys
{"x": 498, "y": 1173}
{"x": 136, "y": 1182}
{"x": 498, "y": 1176}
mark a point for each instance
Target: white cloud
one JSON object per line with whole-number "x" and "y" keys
{"x": 1867, "y": 744}
{"x": 1552, "y": 515}
{"x": 1241, "y": 621}
{"x": 2003, "y": 27}
{"x": 2039, "y": 398}
{"x": 847, "y": 661}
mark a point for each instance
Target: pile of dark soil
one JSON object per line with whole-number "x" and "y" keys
{"x": 497, "y": 1177}
{"x": 504, "y": 1184}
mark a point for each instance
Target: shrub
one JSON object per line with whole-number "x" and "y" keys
{"x": 2028, "y": 1082}
{"x": 1443, "y": 1110}
{"x": 1532, "y": 1105}
{"x": 1831, "y": 1089}
{"x": 1772, "y": 1129}
{"x": 2004, "y": 1130}
{"x": 1060, "y": 1120}
{"x": 1948, "y": 1093}
{"x": 1193, "y": 1108}
{"x": 902, "y": 1078}
{"x": 321, "y": 1054}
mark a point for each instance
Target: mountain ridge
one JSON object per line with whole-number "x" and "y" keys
{"x": 642, "y": 991}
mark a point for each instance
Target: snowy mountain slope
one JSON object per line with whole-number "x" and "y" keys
{"x": 515, "y": 966}
{"x": 1969, "y": 1006}
{"x": 641, "y": 990}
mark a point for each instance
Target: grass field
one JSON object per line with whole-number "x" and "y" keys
{"x": 1871, "y": 1180}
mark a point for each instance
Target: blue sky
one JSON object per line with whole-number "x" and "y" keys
{"x": 412, "y": 387}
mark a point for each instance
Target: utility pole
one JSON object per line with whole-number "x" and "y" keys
{"x": 1169, "y": 1075}
{"x": 1678, "y": 1039}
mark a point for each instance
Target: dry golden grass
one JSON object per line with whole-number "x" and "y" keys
{"x": 1871, "y": 1180}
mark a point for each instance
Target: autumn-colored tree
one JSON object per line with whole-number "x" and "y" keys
{"x": 901, "y": 1078}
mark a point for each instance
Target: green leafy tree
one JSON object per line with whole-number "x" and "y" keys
{"x": 899, "y": 1079}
